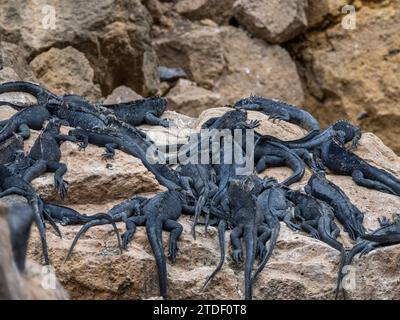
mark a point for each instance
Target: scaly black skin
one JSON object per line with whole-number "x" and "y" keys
{"x": 317, "y": 218}
{"x": 159, "y": 213}
{"x": 271, "y": 153}
{"x": 279, "y": 110}
{"x": 9, "y": 148}
{"x": 45, "y": 155}
{"x": 111, "y": 140}
{"x": 199, "y": 179}
{"x": 233, "y": 119}
{"x": 77, "y": 112}
{"x": 12, "y": 184}
{"x": 120, "y": 212}
{"x": 20, "y": 218}
{"x": 138, "y": 112}
{"x": 352, "y": 133}
{"x": 336, "y": 157}
{"x": 243, "y": 217}
{"x": 346, "y": 212}
{"x": 272, "y": 207}
{"x": 41, "y": 94}
{"x": 29, "y": 118}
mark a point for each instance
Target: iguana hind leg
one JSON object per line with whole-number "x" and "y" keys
{"x": 359, "y": 179}
{"x": 175, "y": 230}
{"x": 237, "y": 253}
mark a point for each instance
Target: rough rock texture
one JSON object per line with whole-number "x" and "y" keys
{"x": 275, "y": 21}
{"x": 300, "y": 267}
{"x": 66, "y": 71}
{"x": 355, "y": 73}
{"x": 13, "y": 65}
{"x": 320, "y": 11}
{"x": 102, "y": 30}
{"x": 189, "y": 99}
{"x": 217, "y": 10}
{"x": 122, "y": 94}
{"x": 214, "y": 58}
{"x": 36, "y": 282}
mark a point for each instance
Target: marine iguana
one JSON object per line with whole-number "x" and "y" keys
{"x": 281, "y": 110}
{"x": 317, "y": 218}
{"x": 21, "y": 122}
{"x": 112, "y": 139}
{"x": 12, "y": 184}
{"x": 145, "y": 111}
{"x": 120, "y": 212}
{"x": 159, "y": 213}
{"x": 345, "y": 211}
{"x": 242, "y": 216}
{"x": 41, "y": 94}
{"x": 45, "y": 155}
{"x": 271, "y": 153}
{"x": 336, "y": 157}
{"x": 201, "y": 179}
{"x": 272, "y": 207}
{"x": 352, "y": 133}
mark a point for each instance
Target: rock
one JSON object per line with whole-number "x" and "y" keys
{"x": 31, "y": 284}
{"x": 213, "y": 58}
{"x": 354, "y": 73}
{"x": 122, "y": 94}
{"x": 114, "y": 35}
{"x": 217, "y": 10}
{"x": 66, "y": 71}
{"x": 171, "y": 74}
{"x": 318, "y": 11}
{"x": 300, "y": 267}
{"x": 197, "y": 50}
{"x": 261, "y": 69}
{"x": 189, "y": 99}
{"x": 13, "y": 65}
{"x": 275, "y": 21}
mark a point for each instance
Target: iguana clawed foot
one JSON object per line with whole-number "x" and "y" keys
{"x": 61, "y": 186}
{"x": 237, "y": 256}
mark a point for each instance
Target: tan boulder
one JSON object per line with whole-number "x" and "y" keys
{"x": 214, "y": 58}
{"x": 197, "y": 50}
{"x": 65, "y": 71}
{"x": 189, "y": 99}
{"x": 217, "y": 10}
{"x": 353, "y": 73}
{"x": 275, "y": 21}
{"x": 102, "y": 30}
{"x": 122, "y": 94}
{"x": 318, "y": 11}
{"x": 13, "y": 63}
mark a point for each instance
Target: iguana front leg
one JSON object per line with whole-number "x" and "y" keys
{"x": 131, "y": 224}
{"x": 110, "y": 151}
{"x": 237, "y": 253}
{"x": 152, "y": 119}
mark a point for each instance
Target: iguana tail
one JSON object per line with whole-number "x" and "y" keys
{"x": 40, "y": 93}
{"x": 97, "y": 219}
{"x": 154, "y": 234}
{"x": 221, "y": 238}
{"x": 250, "y": 238}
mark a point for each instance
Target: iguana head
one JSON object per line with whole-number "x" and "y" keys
{"x": 159, "y": 104}
{"x": 351, "y": 132}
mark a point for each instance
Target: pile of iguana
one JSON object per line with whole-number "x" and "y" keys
{"x": 214, "y": 193}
